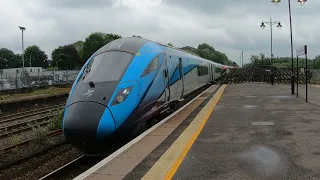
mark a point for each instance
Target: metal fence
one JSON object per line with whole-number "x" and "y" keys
{"x": 33, "y": 79}
{"x": 315, "y": 75}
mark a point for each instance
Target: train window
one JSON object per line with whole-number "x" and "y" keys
{"x": 199, "y": 70}
{"x": 153, "y": 65}
{"x": 202, "y": 70}
{"x": 218, "y": 70}
{"x": 107, "y": 66}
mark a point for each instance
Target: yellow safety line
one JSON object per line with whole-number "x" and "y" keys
{"x": 166, "y": 156}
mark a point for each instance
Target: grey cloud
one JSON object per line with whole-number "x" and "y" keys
{"x": 77, "y": 3}
{"x": 228, "y": 25}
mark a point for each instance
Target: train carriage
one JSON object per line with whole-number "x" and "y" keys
{"x": 124, "y": 84}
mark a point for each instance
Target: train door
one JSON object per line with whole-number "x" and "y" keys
{"x": 166, "y": 79}
{"x": 212, "y": 72}
{"x": 181, "y": 79}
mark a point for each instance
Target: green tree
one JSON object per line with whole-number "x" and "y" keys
{"x": 92, "y": 43}
{"x": 208, "y": 52}
{"x": 316, "y": 62}
{"x": 169, "y": 44}
{"x": 9, "y": 60}
{"x": 206, "y": 46}
{"x": 37, "y": 56}
{"x": 95, "y": 41}
{"x": 66, "y": 57}
{"x": 79, "y": 47}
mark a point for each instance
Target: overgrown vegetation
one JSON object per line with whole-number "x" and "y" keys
{"x": 40, "y": 134}
{"x": 208, "y": 52}
{"x": 15, "y": 140}
{"x": 315, "y": 81}
{"x": 283, "y": 62}
{"x": 54, "y": 124}
{"x": 56, "y": 121}
{"x": 50, "y": 90}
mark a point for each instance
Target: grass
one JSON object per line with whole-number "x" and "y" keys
{"x": 15, "y": 140}
{"x": 50, "y": 90}
{"x": 315, "y": 81}
{"x": 40, "y": 134}
{"x": 56, "y": 121}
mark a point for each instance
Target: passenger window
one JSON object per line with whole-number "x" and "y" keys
{"x": 153, "y": 65}
{"x": 202, "y": 70}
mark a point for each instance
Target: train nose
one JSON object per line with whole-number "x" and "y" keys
{"x": 84, "y": 121}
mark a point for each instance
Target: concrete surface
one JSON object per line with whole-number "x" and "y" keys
{"x": 313, "y": 92}
{"x": 140, "y": 170}
{"x": 239, "y": 141}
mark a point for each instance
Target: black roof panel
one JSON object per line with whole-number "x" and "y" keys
{"x": 131, "y": 44}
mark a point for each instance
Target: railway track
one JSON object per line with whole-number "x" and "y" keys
{"x": 17, "y": 123}
{"x": 81, "y": 163}
{"x": 26, "y": 114}
{"x": 24, "y": 126}
{"x": 10, "y": 148}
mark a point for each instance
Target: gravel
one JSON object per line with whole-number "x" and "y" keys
{"x": 17, "y": 138}
{"x": 39, "y": 165}
{"x": 29, "y": 148}
{"x": 20, "y": 120}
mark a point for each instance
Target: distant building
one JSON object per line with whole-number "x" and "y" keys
{"x": 17, "y": 72}
{"x": 49, "y": 62}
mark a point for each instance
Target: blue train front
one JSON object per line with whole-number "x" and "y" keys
{"x": 109, "y": 97}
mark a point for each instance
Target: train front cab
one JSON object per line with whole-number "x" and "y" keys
{"x": 96, "y": 96}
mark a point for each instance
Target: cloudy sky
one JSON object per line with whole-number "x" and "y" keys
{"x": 227, "y": 25}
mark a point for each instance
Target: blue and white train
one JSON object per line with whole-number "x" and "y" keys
{"x": 124, "y": 84}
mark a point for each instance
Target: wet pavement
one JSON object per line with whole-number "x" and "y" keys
{"x": 313, "y": 92}
{"x": 257, "y": 131}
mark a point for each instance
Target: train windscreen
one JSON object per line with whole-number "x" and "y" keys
{"x": 107, "y": 66}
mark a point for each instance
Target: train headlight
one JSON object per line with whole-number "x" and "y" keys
{"x": 122, "y": 95}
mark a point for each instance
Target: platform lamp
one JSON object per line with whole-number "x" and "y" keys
{"x": 22, "y": 29}
{"x": 302, "y": 2}
{"x": 271, "y": 23}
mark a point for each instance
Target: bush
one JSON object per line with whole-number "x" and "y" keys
{"x": 40, "y": 134}
{"x": 56, "y": 121}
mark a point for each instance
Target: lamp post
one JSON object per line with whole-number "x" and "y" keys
{"x": 22, "y": 29}
{"x": 292, "y": 73}
{"x": 271, "y": 23}
{"x": 241, "y": 59}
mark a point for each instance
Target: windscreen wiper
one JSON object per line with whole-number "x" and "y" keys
{"x": 86, "y": 75}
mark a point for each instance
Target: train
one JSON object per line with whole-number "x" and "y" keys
{"x": 124, "y": 84}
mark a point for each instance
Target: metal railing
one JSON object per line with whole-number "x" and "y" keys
{"x": 34, "y": 79}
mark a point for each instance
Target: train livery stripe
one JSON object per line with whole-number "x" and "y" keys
{"x": 106, "y": 124}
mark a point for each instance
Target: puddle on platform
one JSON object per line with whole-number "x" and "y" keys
{"x": 262, "y": 123}
{"x": 250, "y": 106}
{"x": 283, "y": 97}
{"x": 264, "y": 160}
{"x": 250, "y": 96}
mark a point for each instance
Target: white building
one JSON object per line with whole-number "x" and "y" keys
{"x": 17, "y": 72}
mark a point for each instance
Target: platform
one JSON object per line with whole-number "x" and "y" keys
{"x": 243, "y": 131}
